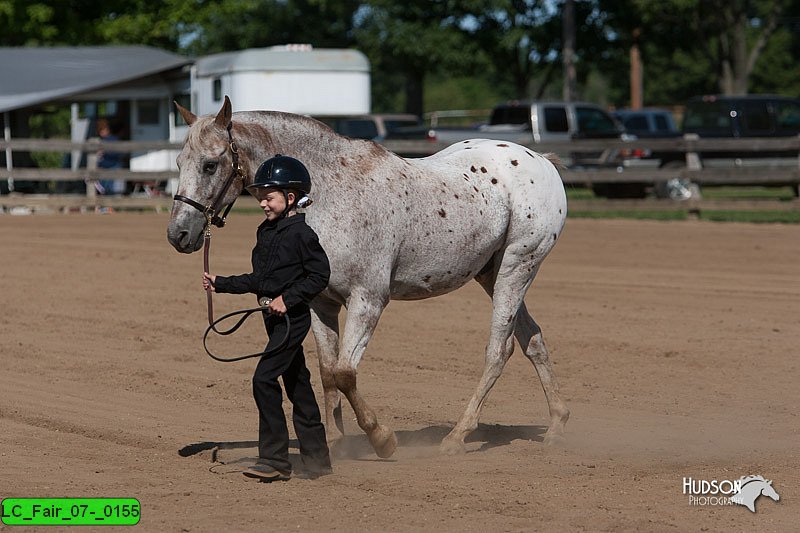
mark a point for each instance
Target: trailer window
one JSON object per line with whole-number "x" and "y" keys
{"x": 217, "y": 89}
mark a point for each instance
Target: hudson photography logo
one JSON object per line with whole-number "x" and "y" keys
{"x": 743, "y": 491}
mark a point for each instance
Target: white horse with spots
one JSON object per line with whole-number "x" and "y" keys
{"x": 396, "y": 228}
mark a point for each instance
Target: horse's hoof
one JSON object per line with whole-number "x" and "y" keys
{"x": 554, "y": 440}
{"x": 336, "y": 446}
{"x": 383, "y": 441}
{"x": 452, "y": 447}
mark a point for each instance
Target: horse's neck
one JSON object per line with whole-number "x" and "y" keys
{"x": 268, "y": 134}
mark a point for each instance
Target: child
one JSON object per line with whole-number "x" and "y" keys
{"x": 290, "y": 266}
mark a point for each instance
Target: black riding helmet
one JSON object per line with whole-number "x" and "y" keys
{"x": 284, "y": 173}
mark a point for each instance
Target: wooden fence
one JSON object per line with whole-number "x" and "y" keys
{"x": 771, "y": 171}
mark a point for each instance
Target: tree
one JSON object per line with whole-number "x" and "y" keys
{"x": 224, "y": 25}
{"x": 413, "y": 39}
{"x": 731, "y": 34}
{"x": 87, "y": 22}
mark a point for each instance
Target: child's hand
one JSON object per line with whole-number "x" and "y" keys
{"x": 277, "y": 307}
{"x": 208, "y": 281}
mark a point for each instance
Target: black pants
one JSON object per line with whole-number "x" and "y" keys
{"x": 289, "y": 362}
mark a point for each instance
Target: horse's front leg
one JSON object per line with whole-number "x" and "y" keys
{"x": 325, "y": 325}
{"x": 363, "y": 312}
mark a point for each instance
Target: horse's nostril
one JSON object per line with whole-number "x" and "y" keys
{"x": 183, "y": 238}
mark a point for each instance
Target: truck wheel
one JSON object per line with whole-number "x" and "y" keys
{"x": 676, "y": 188}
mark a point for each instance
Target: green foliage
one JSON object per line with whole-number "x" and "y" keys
{"x": 219, "y": 26}
{"x": 461, "y": 53}
{"x": 51, "y": 123}
{"x": 463, "y": 92}
{"x": 677, "y": 214}
{"x": 753, "y": 217}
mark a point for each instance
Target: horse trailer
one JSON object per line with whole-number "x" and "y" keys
{"x": 291, "y": 78}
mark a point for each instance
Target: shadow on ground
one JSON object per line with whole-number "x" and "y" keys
{"x": 358, "y": 447}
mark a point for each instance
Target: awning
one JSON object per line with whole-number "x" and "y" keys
{"x": 34, "y": 75}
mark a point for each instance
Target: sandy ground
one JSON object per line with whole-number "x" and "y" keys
{"x": 675, "y": 345}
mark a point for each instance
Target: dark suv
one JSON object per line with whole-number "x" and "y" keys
{"x": 738, "y": 117}
{"x": 716, "y": 116}
{"x": 742, "y": 116}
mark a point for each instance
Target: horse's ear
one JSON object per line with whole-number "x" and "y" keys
{"x": 224, "y": 115}
{"x": 187, "y": 115}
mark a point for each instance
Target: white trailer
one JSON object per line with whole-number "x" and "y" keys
{"x": 292, "y": 78}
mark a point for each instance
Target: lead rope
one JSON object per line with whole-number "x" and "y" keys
{"x": 212, "y": 324}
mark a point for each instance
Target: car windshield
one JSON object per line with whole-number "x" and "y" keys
{"x": 393, "y": 124}
{"x": 594, "y": 121}
{"x": 511, "y": 115}
{"x": 707, "y": 116}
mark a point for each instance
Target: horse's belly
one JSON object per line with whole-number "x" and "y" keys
{"x": 417, "y": 285}
{"x": 446, "y": 257}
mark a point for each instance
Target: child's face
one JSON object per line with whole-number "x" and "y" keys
{"x": 272, "y": 202}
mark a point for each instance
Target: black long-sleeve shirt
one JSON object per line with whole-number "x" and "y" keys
{"x": 287, "y": 260}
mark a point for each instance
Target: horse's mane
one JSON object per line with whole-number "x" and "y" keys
{"x": 258, "y": 118}
{"x": 748, "y": 479}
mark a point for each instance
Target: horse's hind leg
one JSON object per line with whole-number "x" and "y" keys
{"x": 529, "y": 336}
{"x": 507, "y": 290}
{"x": 363, "y": 312}
{"x": 325, "y": 325}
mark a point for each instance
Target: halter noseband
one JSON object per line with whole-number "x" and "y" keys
{"x": 211, "y": 211}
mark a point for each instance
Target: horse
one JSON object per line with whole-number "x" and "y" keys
{"x": 751, "y": 488}
{"x": 394, "y": 229}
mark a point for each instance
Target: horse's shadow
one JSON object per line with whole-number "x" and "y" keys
{"x": 358, "y": 446}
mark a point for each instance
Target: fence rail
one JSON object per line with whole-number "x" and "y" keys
{"x": 774, "y": 171}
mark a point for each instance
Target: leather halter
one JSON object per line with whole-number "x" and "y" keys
{"x": 211, "y": 211}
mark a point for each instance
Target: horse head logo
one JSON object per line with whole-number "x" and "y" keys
{"x": 751, "y": 488}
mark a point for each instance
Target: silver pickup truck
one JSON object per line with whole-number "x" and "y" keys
{"x": 526, "y": 121}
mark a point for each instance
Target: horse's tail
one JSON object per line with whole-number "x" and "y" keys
{"x": 555, "y": 160}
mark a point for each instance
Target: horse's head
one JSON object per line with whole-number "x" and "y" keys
{"x": 205, "y": 163}
{"x": 768, "y": 491}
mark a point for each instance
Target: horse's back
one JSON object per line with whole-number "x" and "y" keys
{"x": 470, "y": 201}
{"x": 529, "y": 181}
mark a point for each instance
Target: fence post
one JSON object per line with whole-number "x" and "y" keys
{"x": 692, "y": 157}
{"x": 796, "y": 186}
{"x": 91, "y": 171}
{"x": 9, "y": 156}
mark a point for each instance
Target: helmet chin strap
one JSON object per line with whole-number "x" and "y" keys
{"x": 288, "y": 207}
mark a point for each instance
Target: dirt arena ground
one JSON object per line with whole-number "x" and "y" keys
{"x": 676, "y": 346}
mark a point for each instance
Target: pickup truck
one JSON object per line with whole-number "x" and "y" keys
{"x": 374, "y": 126}
{"x": 525, "y": 121}
{"x": 528, "y": 121}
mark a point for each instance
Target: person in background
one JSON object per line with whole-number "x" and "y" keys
{"x": 107, "y": 159}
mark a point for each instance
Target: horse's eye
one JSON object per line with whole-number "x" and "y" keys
{"x": 210, "y": 167}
